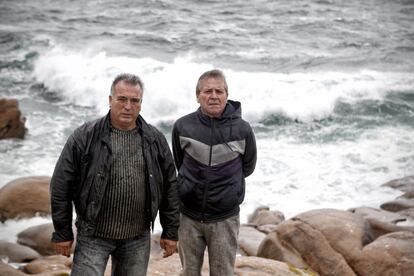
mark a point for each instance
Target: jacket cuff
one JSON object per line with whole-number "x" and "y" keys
{"x": 62, "y": 236}
{"x": 170, "y": 234}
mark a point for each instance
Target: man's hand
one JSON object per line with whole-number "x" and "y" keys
{"x": 63, "y": 248}
{"x": 169, "y": 246}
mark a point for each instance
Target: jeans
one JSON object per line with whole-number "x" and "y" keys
{"x": 220, "y": 238}
{"x": 129, "y": 256}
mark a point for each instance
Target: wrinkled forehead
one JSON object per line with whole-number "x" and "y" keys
{"x": 212, "y": 82}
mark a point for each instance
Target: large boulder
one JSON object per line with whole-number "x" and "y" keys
{"x": 17, "y": 253}
{"x": 326, "y": 240}
{"x": 25, "y": 197}
{"x": 391, "y": 254}
{"x": 11, "y": 121}
{"x": 38, "y": 237}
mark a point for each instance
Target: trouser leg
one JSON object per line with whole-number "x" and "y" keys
{"x": 221, "y": 240}
{"x": 91, "y": 256}
{"x": 191, "y": 246}
{"x": 131, "y": 256}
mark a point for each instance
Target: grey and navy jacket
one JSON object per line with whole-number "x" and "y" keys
{"x": 82, "y": 174}
{"x": 213, "y": 156}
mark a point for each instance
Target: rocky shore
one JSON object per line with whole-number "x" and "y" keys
{"x": 360, "y": 241}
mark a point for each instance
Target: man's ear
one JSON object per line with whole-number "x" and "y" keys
{"x": 110, "y": 100}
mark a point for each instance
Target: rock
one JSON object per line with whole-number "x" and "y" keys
{"x": 272, "y": 248}
{"x": 254, "y": 266}
{"x": 17, "y": 253}
{"x": 404, "y": 184}
{"x": 249, "y": 239}
{"x": 409, "y": 194}
{"x": 25, "y": 197}
{"x": 407, "y": 212}
{"x": 263, "y": 215}
{"x": 38, "y": 237}
{"x": 50, "y": 265}
{"x": 8, "y": 270}
{"x": 382, "y": 222}
{"x": 314, "y": 247}
{"x": 391, "y": 254}
{"x": 378, "y": 214}
{"x": 267, "y": 228}
{"x": 244, "y": 266}
{"x": 171, "y": 266}
{"x": 398, "y": 204}
{"x": 11, "y": 121}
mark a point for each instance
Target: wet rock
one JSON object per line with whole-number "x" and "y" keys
{"x": 404, "y": 184}
{"x": 17, "y": 253}
{"x": 11, "y": 121}
{"x": 8, "y": 270}
{"x": 398, "y": 204}
{"x": 38, "y": 237}
{"x": 50, "y": 265}
{"x": 25, "y": 197}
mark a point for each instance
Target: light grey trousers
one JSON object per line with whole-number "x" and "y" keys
{"x": 220, "y": 238}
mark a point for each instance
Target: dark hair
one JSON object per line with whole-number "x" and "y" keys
{"x": 128, "y": 78}
{"x": 216, "y": 74}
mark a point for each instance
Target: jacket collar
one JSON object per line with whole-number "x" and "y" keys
{"x": 143, "y": 128}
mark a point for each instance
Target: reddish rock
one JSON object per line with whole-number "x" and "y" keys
{"x": 11, "y": 121}
{"x": 25, "y": 197}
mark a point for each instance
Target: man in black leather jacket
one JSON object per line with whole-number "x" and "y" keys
{"x": 119, "y": 172}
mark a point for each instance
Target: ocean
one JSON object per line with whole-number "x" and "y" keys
{"x": 328, "y": 86}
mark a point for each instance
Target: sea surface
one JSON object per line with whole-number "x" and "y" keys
{"x": 328, "y": 86}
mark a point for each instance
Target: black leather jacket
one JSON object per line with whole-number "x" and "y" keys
{"x": 82, "y": 173}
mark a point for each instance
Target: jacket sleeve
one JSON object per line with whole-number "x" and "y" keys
{"x": 61, "y": 191}
{"x": 250, "y": 154}
{"x": 169, "y": 207}
{"x": 176, "y": 147}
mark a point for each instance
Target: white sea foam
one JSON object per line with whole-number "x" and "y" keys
{"x": 84, "y": 79}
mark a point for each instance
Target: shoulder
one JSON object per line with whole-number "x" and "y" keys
{"x": 186, "y": 119}
{"x": 87, "y": 130}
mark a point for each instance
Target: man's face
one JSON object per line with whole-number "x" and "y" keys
{"x": 212, "y": 97}
{"x": 125, "y": 105}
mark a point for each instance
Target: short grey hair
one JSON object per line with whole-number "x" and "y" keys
{"x": 130, "y": 79}
{"x": 215, "y": 74}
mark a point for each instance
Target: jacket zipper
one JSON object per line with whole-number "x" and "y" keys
{"x": 212, "y": 134}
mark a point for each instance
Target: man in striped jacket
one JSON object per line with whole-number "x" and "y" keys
{"x": 214, "y": 150}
